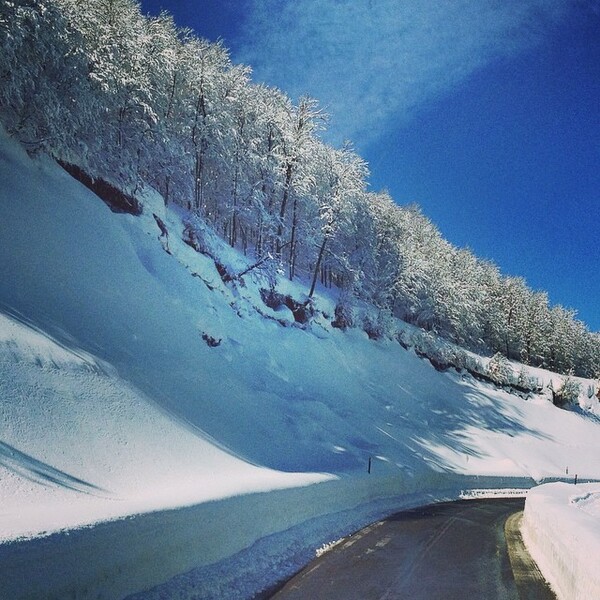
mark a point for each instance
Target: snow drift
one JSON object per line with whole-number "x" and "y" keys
{"x": 136, "y": 382}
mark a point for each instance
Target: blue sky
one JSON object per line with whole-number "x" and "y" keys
{"x": 484, "y": 112}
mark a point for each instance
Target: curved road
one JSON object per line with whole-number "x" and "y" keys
{"x": 455, "y": 550}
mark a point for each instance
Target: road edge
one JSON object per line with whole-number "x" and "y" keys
{"x": 530, "y": 583}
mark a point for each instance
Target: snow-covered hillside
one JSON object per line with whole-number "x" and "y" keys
{"x": 134, "y": 380}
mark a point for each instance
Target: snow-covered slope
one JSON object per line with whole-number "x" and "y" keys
{"x": 79, "y": 444}
{"x": 112, "y": 403}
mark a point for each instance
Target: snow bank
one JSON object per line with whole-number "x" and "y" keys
{"x": 80, "y": 442}
{"x": 224, "y": 550}
{"x": 561, "y": 528}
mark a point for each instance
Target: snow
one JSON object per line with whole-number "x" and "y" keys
{"x": 588, "y": 502}
{"x": 89, "y": 418}
{"x": 137, "y": 454}
{"x": 561, "y": 528}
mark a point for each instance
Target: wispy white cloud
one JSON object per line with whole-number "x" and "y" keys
{"x": 370, "y": 61}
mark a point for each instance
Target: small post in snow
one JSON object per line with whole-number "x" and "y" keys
{"x": 575, "y": 478}
{"x": 369, "y": 467}
{"x": 567, "y": 470}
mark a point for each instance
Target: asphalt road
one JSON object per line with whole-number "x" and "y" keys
{"x": 446, "y": 551}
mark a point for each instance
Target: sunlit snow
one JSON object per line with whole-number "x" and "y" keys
{"x": 113, "y": 405}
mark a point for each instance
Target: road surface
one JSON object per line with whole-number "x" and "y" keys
{"x": 448, "y": 551}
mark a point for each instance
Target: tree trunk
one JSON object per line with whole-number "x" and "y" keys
{"x": 198, "y": 191}
{"x": 292, "y": 263}
{"x": 171, "y": 97}
{"x": 234, "y": 193}
{"x": 200, "y": 146}
{"x": 317, "y": 267}
{"x": 284, "y": 200}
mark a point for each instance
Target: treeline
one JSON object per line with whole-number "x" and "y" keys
{"x": 139, "y": 102}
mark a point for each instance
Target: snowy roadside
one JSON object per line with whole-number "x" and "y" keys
{"x": 227, "y": 549}
{"x": 561, "y": 528}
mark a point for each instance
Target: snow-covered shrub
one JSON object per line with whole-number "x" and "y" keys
{"x": 547, "y": 393}
{"x": 201, "y": 237}
{"x": 527, "y": 381}
{"x": 499, "y": 370}
{"x": 567, "y": 392}
{"x": 344, "y": 313}
{"x": 371, "y": 327}
{"x": 379, "y": 324}
{"x": 440, "y": 353}
{"x": 473, "y": 364}
{"x": 459, "y": 358}
{"x": 266, "y": 272}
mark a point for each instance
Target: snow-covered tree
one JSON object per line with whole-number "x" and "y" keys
{"x": 139, "y": 102}
{"x": 44, "y": 93}
{"x": 340, "y": 187}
